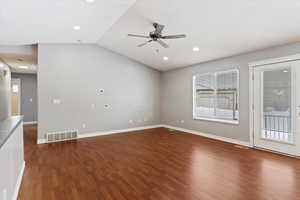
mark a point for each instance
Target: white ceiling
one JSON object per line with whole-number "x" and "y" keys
{"x": 218, "y": 28}
{"x": 52, "y": 21}
{"x": 16, "y": 56}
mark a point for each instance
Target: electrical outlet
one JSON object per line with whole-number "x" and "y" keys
{"x": 30, "y": 99}
{"x": 182, "y": 121}
{"x": 131, "y": 121}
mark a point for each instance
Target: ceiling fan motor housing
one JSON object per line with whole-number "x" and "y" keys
{"x": 154, "y": 36}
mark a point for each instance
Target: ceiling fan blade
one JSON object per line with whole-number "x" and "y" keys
{"x": 173, "y": 36}
{"x": 162, "y": 43}
{"x": 140, "y": 36}
{"x": 143, "y": 44}
{"x": 158, "y": 27}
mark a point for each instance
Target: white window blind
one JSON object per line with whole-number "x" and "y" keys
{"x": 216, "y": 96}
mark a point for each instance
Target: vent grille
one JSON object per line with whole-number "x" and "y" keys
{"x": 62, "y": 136}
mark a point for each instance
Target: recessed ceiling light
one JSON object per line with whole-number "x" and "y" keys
{"x": 166, "y": 58}
{"x": 76, "y": 28}
{"x": 90, "y": 1}
{"x": 23, "y": 67}
{"x": 285, "y": 71}
{"x": 196, "y": 49}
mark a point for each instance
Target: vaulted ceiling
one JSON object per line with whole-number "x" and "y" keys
{"x": 52, "y": 21}
{"x": 217, "y": 28}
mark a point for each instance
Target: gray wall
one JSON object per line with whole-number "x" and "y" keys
{"x": 28, "y": 93}
{"x": 176, "y": 92}
{"x": 74, "y": 74}
{"x": 5, "y": 100}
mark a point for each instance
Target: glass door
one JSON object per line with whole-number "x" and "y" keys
{"x": 276, "y": 107}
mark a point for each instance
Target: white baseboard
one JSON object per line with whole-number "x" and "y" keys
{"x": 30, "y": 123}
{"x": 100, "y": 133}
{"x": 19, "y": 181}
{"x": 224, "y": 139}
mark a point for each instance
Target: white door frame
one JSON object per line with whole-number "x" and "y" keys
{"x": 253, "y": 65}
{"x": 18, "y": 80}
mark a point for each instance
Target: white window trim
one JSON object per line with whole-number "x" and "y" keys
{"x": 224, "y": 121}
{"x": 234, "y": 122}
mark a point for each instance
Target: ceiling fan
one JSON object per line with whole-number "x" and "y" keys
{"x": 156, "y": 36}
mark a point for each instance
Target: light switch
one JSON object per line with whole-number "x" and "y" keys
{"x": 30, "y": 100}
{"x": 56, "y": 101}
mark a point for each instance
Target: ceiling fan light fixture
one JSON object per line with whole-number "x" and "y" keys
{"x": 166, "y": 58}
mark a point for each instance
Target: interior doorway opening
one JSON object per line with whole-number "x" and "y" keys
{"x": 15, "y": 96}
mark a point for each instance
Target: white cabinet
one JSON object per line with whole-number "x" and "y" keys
{"x": 12, "y": 164}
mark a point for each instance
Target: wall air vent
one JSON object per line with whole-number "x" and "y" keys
{"x": 62, "y": 136}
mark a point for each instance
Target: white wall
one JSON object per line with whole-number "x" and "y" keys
{"x": 74, "y": 73}
{"x": 176, "y": 93}
{"x": 5, "y": 100}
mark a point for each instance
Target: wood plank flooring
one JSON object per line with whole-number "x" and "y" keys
{"x": 154, "y": 164}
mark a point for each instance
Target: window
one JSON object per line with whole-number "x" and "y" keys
{"x": 216, "y": 96}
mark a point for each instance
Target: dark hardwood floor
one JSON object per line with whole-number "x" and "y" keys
{"x": 154, "y": 164}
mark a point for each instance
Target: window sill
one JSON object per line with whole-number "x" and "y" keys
{"x": 218, "y": 120}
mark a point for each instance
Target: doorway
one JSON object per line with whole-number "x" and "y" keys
{"x": 276, "y": 107}
{"x": 15, "y": 97}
